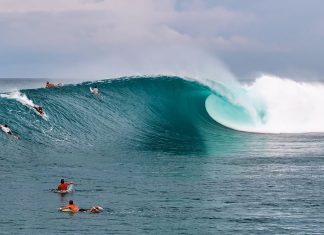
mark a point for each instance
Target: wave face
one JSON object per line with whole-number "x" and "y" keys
{"x": 162, "y": 113}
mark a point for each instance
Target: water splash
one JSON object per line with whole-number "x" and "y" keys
{"x": 270, "y": 105}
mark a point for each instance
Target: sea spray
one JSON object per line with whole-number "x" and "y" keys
{"x": 269, "y": 105}
{"x": 20, "y": 97}
{"x": 292, "y": 107}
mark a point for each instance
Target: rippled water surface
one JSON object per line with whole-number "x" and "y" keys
{"x": 156, "y": 167}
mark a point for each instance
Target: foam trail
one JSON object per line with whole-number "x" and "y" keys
{"x": 17, "y": 95}
{"x": 23, "y": 99}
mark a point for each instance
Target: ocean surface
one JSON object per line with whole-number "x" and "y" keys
{"x": 164, "y": 155}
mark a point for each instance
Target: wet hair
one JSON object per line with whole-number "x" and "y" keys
{"x": 62, "y": 181}
{"x": 6, "y": 125}
{"x": 95, "y": 87}
{"x": 71, "y": 202}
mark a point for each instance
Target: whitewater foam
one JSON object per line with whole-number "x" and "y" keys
{"x": 268, "y": 105}
{"x": 271, "y": 105}
{"x": 20, "y": 97}
{"x": 292, "y": 106}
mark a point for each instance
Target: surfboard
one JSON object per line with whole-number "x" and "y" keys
{"x": 39, "y": 114}
{"x": 67, "y": 210}
{"x": 43, "y": 115}
{"x": 92, "y": 210}
{"x": 33, "y": 107}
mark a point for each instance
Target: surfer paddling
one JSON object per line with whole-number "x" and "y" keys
{"x": 63, "y": 186}
{"x": 72, "y": 207}
{"x": 50, "y": 84}
{"x": 94, "y": 90}
{"x": 39, "y": 110}
{"x": 7, "y": 130}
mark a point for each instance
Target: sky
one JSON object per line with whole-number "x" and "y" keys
{"x": 105, "y": 38}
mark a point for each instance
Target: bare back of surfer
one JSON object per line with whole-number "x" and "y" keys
{"x": 7, "y": 130}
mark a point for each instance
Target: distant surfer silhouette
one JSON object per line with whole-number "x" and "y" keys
{"x": 50, "y": 84}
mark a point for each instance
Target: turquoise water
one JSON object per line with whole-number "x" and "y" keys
{"x": 149, "y": 153}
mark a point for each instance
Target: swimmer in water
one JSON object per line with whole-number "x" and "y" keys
{"x": 7, "y": 130}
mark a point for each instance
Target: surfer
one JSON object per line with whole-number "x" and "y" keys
{"x": 7, "y": 130}
{"x": 94, "y": 90}
{"x": 71, "y": 207}
{"x": 50, "y": 84}
{"x": 63, "y": 186}
{"x": 94, "y": 209}
{"x": 39, "y": 109}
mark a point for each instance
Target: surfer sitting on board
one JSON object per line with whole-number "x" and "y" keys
{"x": 7, "y": 130}
{"x": 50, "y": 84}
{"x": 63, "y": 186}
{"x": 39, "y": 109}
{"x": 71, "y": 207}
{"x": 94, "y": 90}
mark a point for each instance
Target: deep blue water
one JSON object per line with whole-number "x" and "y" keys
{"x": 148, "y": 152}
